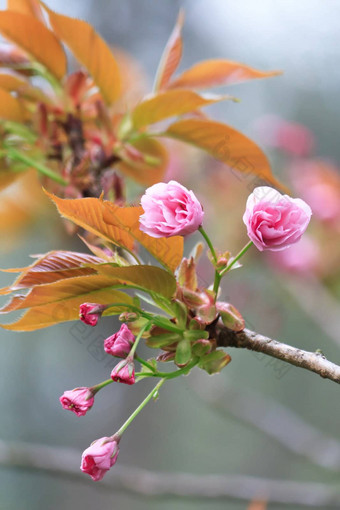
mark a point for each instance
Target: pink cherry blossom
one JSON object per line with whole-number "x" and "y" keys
{"x": 120, "y": 343}
{"x": 274, "y": 221}
{"x": 79, "y": 400}
{"x": 90, "y": 313}
{"x": 170, "y": 210}
{"x": 98, "y": 458}
{"x": 124, "y": 372}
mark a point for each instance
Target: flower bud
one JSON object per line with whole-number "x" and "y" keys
{"x": 79, "y": 400}
{"x": 201, "y": 347}
{"x": 90, "y": 313}
{"x": 124, "y": 372}
{"x": 128, "y": 316}
{"x": 214, "y": 361}
{"x": 186, "y": 274}
{"x": 166, "y": 356}
{"x": 230, "y": 316}
{"x": 120, "y": 343}
{"x": 98, "y": 458}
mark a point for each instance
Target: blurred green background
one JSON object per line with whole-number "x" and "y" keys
{"x": 183, "y": 432}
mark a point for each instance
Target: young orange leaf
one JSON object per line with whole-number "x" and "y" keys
{"x": 214, "y": 73}
{"x": 10, "y": 107}
{"x": 91, "y": 50}
{"x": 171, "y": 56}
{"x": 30, "y": 7}
{"x": 54, "y": 266}
{"x": 151, "y": 278}
{"x": 119, "y": 225}
{"x": 32, "y": 36}
{"x": 142, "y": 171}
{"x": 225, "y": 144}
{"x": 88, "y": 214}
{"x": 67, "y": 309}
{"x": 170, "y": 103}
{"x": 6, "y": 177}
{"x": 168, "y": 251}
{"x": 12, "y": 81}
{"x": 148, "y": 278}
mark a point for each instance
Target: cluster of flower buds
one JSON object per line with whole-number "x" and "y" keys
{"x": 190, "y": 337}
{"x": 102, "y": 454}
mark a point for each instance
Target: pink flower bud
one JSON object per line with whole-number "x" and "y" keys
{"x": 98, "y": 458}
{"x": 170, "y": 210}
{"x": 90, "y": 313}
{"x": 274, "y": 221}
{"x": 79, "y": 400}
{"x": 120, "y": 343}
{"x": 124, "y": 372}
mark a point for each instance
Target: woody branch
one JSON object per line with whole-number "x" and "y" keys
{"x": 247, "y": 339}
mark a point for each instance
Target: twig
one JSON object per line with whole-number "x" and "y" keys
{"x": 65, "y": 462}
{"x": 247, "y": 339}
{"x": 270, "y": 417}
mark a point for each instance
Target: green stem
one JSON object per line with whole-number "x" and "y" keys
{"x": 138, "y": 337}
{"x": 159, "y": 321}
{"x": 151, "y": 395}
{"x": 18, "y": 156}
{"x": 101, "y": 385}
{"x": 171, "y": 375}
{"x": 209, "y": 243}
{"x": 217, "y": 278}
{"x": 238, "y": 256}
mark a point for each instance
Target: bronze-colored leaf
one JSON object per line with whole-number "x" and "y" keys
{"x": 30, "y": 7}
{"x": 33, "y": 37}
{"x": 91, "y": 50}
{"x": 88, "y": 214}
{"x": 54, "y": 266}
{"x": 168, "y": 104}
{"x": 227, "y": 145}
{"x": 171, "y": 56}
{"x": 66, "y": 310}
{"x": 10, "y": 107}
{"x": 214, "y": 73}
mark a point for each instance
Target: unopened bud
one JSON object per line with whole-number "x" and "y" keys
{"x": 128, "y": 316}
{"x": 201, "y": 347}
{"x": 214, "y": 361}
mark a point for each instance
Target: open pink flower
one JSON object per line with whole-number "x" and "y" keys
{"x": 170, "y": 210}
{"x": 98, "y": 458}
{"x": 90, "y": 313}
{"x": 120, "y": 343}
{"x": 124, "y": 372}
{"x": 79, "y": 400}
{"x": 274, "y": 221}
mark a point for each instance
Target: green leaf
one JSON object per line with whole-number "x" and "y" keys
{"x": 183, "y": 352}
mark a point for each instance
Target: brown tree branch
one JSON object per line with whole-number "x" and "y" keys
{"x": 247, "y": 339}
{"x": 65, "y": 462}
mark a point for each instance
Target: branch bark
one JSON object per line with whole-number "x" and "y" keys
{"x": 247, "y": 339}
{"x": 65, "y": 462}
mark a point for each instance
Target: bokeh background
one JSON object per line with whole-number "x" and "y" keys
{"x": 259, "y": 417}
